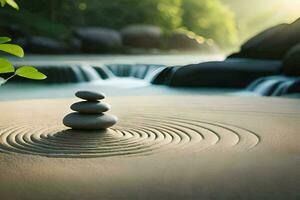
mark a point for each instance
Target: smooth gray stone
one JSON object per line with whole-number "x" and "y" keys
{"x": 89, "y": 122}
{"x": 90, "y": 107}
{"x": 142, "y": 36}
{"x": 89, "y": 95}
{"x": 98, "y": 39}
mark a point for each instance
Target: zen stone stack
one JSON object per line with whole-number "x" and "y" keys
{"x": 89, "y": 114}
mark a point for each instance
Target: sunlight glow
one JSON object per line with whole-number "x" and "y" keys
{"x": 292, "y": 6}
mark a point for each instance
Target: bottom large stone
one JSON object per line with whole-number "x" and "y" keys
{"x": 89, "y": 122}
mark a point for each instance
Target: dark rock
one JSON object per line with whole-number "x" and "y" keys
{"x": 90, "y": 107}
{"x": 89, "y": 122}
{"x": 291, "y": 62}
{"x": 165, "y": 76}
{"x": 295, "y": 87}
{"x": 142, "y": 36}
{"x": 23, "y": 42}
{"x": 235, "y": 73}
{"x": 98, "y": 40}
{"x": 12, "y": 31}
{"x": 272, "y": 43}
{"x": 74, "y": 45}
{"x": 45, "y": 45}
{"x": 89, "y": 95}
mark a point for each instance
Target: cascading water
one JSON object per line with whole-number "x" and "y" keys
{"x": 272, "y": 86}
{"x": 84, "y": 72}
{"x": 153, "y": 73}
{"x": 78, "y": 73}
{"x": 104, "y": 72}
{"x": 89, "y": 72}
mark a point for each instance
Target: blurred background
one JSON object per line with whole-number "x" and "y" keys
{"x": 155, "y": 47}
{"x": 135, "y": 26}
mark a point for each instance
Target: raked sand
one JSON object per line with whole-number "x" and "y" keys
{"x": 187, "y": 147}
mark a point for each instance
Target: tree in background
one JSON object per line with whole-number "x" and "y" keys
{"x": 255, "y": 16}
{"x": 56, "y": 18}
{"x": 211, "y": 19}
{"x": 119, "y": 13}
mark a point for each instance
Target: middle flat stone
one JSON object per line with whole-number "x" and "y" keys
{"x": 88, "y": 107}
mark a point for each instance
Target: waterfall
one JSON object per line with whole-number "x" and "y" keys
{"x": 84, "y": 72}
{"x": 78, "y": 74}
{"x": 65, "y": 73}
{"x": 89, "y": 72}
{"x": 139, "y": 71}
{"x": 271, "y": 86}
{"x": 152, "y": 74}
{"x": 104, "y": 72}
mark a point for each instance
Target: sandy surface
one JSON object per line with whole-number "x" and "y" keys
{"x": 186, "y": 147}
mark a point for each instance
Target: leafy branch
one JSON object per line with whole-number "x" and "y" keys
{"x": 6, "y": 66}
{"x": 12, "y": 3}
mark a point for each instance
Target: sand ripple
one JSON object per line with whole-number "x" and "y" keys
{"x": 146, "y": 136}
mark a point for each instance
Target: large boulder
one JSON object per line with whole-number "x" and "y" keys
{"x": 98, "y": 40}
{"x": 291, "y": 62}
{"x": 74, "y": 45}
{"x": 142, "y": 36}
{"x": 272, "y": 43}
{"x": 45, "y": 45}
{"x": 233, "y": 73}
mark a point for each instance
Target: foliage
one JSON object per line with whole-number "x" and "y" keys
{"x": 30, "y": 72}
{"x": 211, "y": 19}
{"x": 208, "y": 18}
{"x": 42, "y": 25}
{"x": 255, "y": 16}
{"x": 6, "y": 66}
{"x": 12, "y": 3}
{"x": 118, "y": 13}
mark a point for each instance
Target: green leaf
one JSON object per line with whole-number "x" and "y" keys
{"x": 6, "y": 66}
{"x": 12, "y": 49}
{"x": 4, "y": 40}
{"x": 30, "y": 72}
{"x": 13, "y": 4}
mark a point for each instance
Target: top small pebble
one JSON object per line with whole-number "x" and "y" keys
{"x": 89, "y": 96}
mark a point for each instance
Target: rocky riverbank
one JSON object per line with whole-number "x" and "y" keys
{"x": 134, "y": 39}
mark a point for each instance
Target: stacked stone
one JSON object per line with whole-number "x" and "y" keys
{"x": 89, "y": 114}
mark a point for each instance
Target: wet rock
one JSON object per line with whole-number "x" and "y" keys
{"x": 230, "y": 73}
{"x": 272, "y": 43}
{"x": 291, "y": 62}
